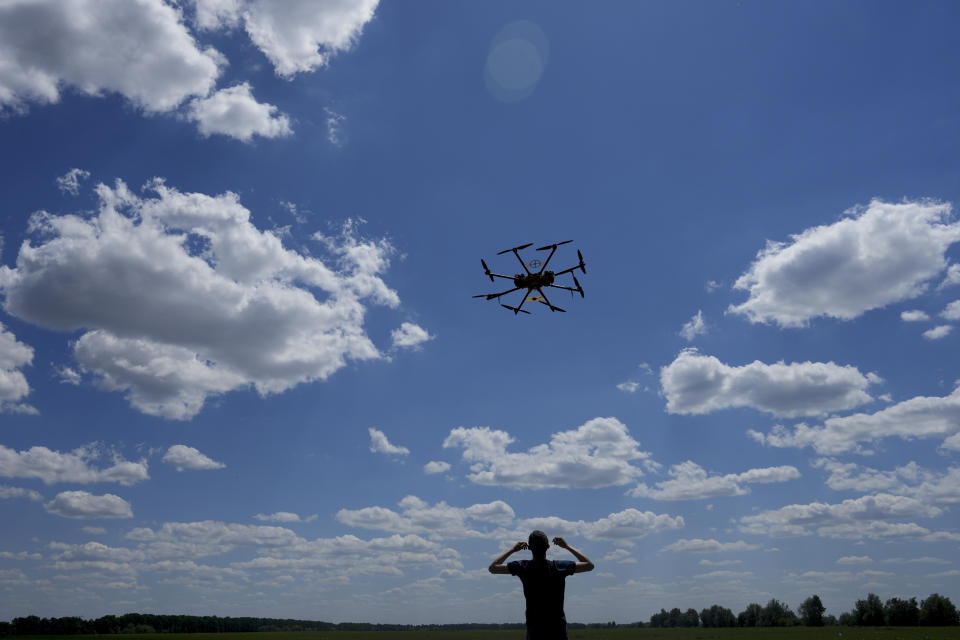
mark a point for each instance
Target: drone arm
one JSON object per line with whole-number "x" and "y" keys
{"x": 546, "y": 301}
{"x": 491, "y": 296}
{"x": 553, "y": 250}
{"x": 522, "y": 263}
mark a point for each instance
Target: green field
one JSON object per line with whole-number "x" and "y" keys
{"x": 797, "y": 633}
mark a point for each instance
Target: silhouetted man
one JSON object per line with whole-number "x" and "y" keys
{"x": 543, "y": 581}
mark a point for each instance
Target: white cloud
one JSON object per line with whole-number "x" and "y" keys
{"x": 596, "y": 454}
{"x": 705, "y": 562}
{"x": 914, "y": 315}
{"x": 13, "y": 384}
{"x": 185, "y": 458}
{"x": 919, "y": 417}
{"x": 70, "y": 181}
{"x": 700, "y": 545}
{"x": 864, "y": 517}
{"x": 9, "y": 493}
{"x": 855, "y": 560}
{"x": 630, "y": 386}
{"x": 334, "y": 126}
{"x": 619, "y": 556}
{"x": 380, "y": 444}
{"x": 80, "y": 504}
{"x": 182, "y": 297}
{"x": 137, "y": 48}
{"x": 695, "y": 327}
{"x": 952, "y": 277}
{"x": 620, "y": 528}
{"x": 951, "y": 311}
{"x": 283, "y": 516}
{"x": 698, "y": 384}
{"x": 236, "y": 113}
{"x": 880, "y": 255}
{"x": 436, "y": 466}
{"x": 418, "y": 517}
{"x": 937, "y": 332}
{"x": 409, "y": 336}
{"x": 295, "y": 35}
{"x": 69, "y": 376}
{"x": 52, "y": 466}
{"x": 690, "y": 481}
{"x": 911, "y": 479}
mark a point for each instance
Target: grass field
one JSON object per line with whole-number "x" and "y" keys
{"x": 795, "y": 633}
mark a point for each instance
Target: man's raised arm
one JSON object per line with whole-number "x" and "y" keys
{"x": 497, "y": 565}
{"x": 583, "y": 562}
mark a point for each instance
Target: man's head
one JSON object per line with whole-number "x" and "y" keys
{"x": 538, "y": 544}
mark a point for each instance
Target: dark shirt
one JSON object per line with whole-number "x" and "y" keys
{"x": 543, "y": 582}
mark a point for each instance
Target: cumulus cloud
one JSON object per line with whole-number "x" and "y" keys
{"x": 409, "y": 336}
{"x": 184, "y": 458}
{"x": 380, "y": 444}
{"x": 9, "y": 493}
{"x": 914, "y": 315}
{"x": 882, "y": 254}
{"x": 100, "y": 47}
{"x": 295, "y": 35}
{"x": 699, "y": 384}
{"x": 865, "y": 517}
{"x": 855, "y": 560}
{"x": 630, "y": 386}
{"x": 951, "y": 311}
{"x": 911, "y": 479}
{"x": 700, "y": 545}
{"x": 919, "y": 417}
{"x": 14, "y": 355}
{"x": 70, "y": 181}
{"x": 283, "y": 516}
{"x": 599, "y": 453}
{"x": 690, "y": 481}
{"x": 181, "y": 297}
{"x": 75, "y": 466}
{"x": 236, "y": 113}
{"x": 81, "y": 504}
{"x": 621, "y": 528}
{"x": 938, "y": 332}
{"x": 434, "y": 521}
{"x": 436, "y": 466}
{"x": 695, "y": 327}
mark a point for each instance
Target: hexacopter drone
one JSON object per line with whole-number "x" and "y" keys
{"x": 534, "y": 280}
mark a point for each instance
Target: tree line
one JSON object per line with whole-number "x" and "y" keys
{"x": 935, "y": 611}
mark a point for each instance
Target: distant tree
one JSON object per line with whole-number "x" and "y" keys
{"x": 717, "y": 616}
{"x": 690, "y": 618}
{"x": 830, "y": 621}
{"x": 659, "y": 620}
{"x": 938, "y": 611}
{"x": 777, "y": 614}
{"x": 901, "y": 613}
{"x": 750, "y": 617}
{"x": 847, "y": 619}
{"x": 869, "y": 612}
{"x": 811, "y": 611}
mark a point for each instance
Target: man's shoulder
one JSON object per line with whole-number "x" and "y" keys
{"x": 564, "y": 566}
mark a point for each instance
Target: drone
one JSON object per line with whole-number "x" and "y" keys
{"x": 534, "y": 280}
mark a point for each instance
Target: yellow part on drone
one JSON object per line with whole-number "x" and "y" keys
{"x": 535, "y": 299}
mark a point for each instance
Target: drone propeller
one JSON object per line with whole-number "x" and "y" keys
{"x": 553, "y": 246}
{"x": 552, "y": 307}
{"x": 514, "y": 309}
{"x": 523, "y": 246}
{"x": 486, "y": 269}
{"x": 583, "y": 265}
{"x": 579, "y": 288}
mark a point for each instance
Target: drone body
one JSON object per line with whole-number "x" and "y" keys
{"x": 534, "y": 280}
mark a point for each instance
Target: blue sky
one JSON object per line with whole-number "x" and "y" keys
{"x": 241, "y": 372}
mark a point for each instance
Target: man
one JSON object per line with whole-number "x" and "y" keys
{"x": 543, "y": 582}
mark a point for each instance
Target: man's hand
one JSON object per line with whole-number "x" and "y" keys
{"x": 497, "y": 565}
{"x": 560, "y": 542}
